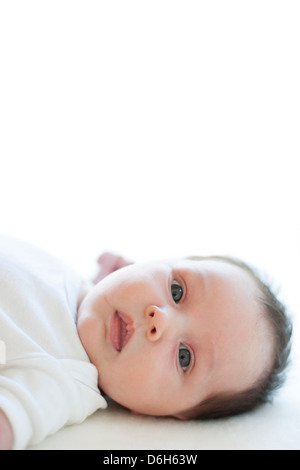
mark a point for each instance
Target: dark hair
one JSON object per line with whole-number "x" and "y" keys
{"x": 229, "y": 404}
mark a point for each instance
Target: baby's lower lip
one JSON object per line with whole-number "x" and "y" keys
{"x": 120, "y": 330}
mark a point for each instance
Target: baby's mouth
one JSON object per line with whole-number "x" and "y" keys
{"x": 121, "y": 330}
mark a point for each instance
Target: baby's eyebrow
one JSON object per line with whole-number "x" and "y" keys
{"x": 206, "y": 358}
{"x": 196, "y": 284}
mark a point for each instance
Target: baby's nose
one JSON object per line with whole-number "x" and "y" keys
{"x": 156, "y": 322}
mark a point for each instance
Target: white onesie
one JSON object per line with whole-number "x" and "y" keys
{"x": 46, "y": 378}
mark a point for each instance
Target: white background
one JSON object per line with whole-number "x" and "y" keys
{"x": 154, "y": 129}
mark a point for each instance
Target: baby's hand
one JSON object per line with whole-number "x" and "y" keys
{"x": 6, "y": 433}
{"x": 108, "y": 263}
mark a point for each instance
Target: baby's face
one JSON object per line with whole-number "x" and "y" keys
{"x": 166, "y": 335}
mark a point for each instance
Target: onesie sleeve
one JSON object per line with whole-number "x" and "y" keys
{"x": 41, "y": 394}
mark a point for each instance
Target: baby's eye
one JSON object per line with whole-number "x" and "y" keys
{"x": 184, "y": 357}
{"x": 177, "y": 291}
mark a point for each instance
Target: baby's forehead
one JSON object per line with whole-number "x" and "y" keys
{"x": 211, "y": 271}
{"x": 218, "y": 273}
{"x": 207, "y": 265}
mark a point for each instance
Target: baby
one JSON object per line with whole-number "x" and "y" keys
{"x": 187, "y": 338}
